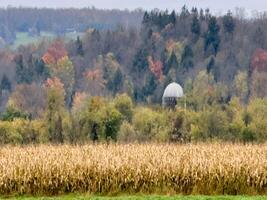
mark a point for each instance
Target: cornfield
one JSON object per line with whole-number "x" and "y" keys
{"x": 134, "y": 168}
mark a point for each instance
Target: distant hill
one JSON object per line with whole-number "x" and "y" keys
{"x": 62, "y": 21}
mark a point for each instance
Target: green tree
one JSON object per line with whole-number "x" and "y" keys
{"x": 213, "y": 69}
{"x": 241, "y": 86}
{"x": 257, "y": 109}
{"x": 23, "y": 73}
{"x": 5, "y": 83}
{"x": 187, "y": 58}
{"x": 64, "y": 70}
{"x": 117, "y": 81}
{"x": 212, "y": 124}
{"x": 79, "y": 46}
{"x": 140, "y": 62}
{"x": 150, "y": 85}
{"x": 212, "y": 37}
{"x": 90, "y": 120}
{"x": 228, "y": 23}
{"x": 55, "y": 108}
{"x": 12, "y": 113}
{"x": 41, "y": 69}
{"x": 203, "y": 92}
{"x": 195, "y": 26}
{"x": 211, "y": 65}
{"x": 172, "y": 17}
{"x": 124, "y": 104}
{"x": 112, "y": 122}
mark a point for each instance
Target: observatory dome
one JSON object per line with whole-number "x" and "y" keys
{"x": 173, "y": 90}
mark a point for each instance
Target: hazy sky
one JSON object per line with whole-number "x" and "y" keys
{"x": 215, "y": 5}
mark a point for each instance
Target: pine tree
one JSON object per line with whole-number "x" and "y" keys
{"x": 195, "y": 26}
{"x": 211, "y": 65}
{"x": 5, "y": 83}
{"x": 187, "y": 58}
{"x": 228, "y": 23}
{"x": 24, "y": 73}
{"x": 79, "y": 46}
{"x": 140, "y": 62}
{"x": 173, "y": 17}
{"x": 212, "y": 37}
{"x": 146, "y": 18}
{"x": 150, "y": 85}
{"x": 212, "y": 69}
{"x": 117, "y": 81}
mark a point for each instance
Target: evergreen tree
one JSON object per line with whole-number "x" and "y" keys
{"x": 138, "y": 94}
{"x": 117, "y": 81}
{"x": 194, "y": 11}
{"x": 146, "y": 18}
{"x": 212, "y": 37}
{"x": 201, "y": 15}
{"x": 184, "y": 13}
{"x": 150, "y": 85}
{"x": 41, "y": 69}
{"x": 140, "y": 62}
{"x": 5, "y": 83}
{"x": 24, "y": 74}
{"x": 207, "y": 14}
{"x": 212, "y": 69}
{"x": 187, "y": 58}
{"x": 228, "y": 23}
{"x": 172, "y": 17}
{"x": 211, "y": 65}
{"x": 195, "y": 26}
{"x": 79, "y": 46}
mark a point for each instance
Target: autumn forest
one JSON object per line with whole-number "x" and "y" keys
{"x": 106, "y": 84}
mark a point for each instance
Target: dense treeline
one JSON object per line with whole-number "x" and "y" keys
{"x": 60, "y": 21}
{"x": 97, "y": 119}
{"x": 221, "y": 62}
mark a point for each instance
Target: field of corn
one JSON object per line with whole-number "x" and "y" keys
{"x": 209, "y": 169}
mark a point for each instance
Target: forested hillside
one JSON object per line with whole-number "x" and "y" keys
{"x": 221, "y": 61}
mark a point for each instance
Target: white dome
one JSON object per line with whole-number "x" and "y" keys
{"x": 173, "y": 90}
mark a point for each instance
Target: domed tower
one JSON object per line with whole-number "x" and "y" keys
{"x": 171, "y": 95}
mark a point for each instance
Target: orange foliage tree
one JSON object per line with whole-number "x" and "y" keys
{"x": 156, "y": 67}
{"x": 55, "y": 52}
{"x": 59, "y": 64}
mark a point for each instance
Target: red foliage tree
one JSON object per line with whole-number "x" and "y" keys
{"x": 55, "y": 52}
{"x": 259, "y": 60}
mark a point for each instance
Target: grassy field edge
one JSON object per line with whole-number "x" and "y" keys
{"x": 137, "y": 197}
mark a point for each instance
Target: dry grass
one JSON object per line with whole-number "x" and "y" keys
{"x": 148, "y": 168}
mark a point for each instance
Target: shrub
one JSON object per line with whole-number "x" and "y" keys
{"x": 211, "y": 124}
{"x": 150, "y": 125}
{"x": 127, "y": 133}
{"x": 124, "y": 104}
